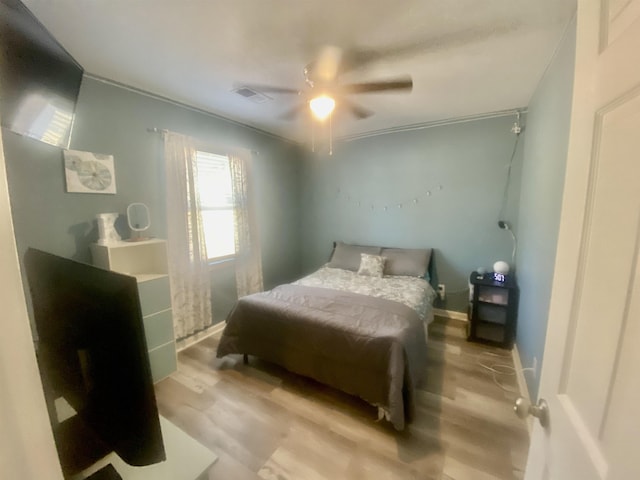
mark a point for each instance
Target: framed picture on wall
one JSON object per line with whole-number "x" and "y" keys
{"x": 88, "y": 172}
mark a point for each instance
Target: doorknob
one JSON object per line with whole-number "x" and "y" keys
{"x": 523, "y": 408}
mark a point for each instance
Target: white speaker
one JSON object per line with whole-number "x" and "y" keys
{"x": 501, "y": 267}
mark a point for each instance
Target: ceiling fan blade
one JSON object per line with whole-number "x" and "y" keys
{"x": 295, "y": 111}
{"x": 326, "y": 67}
{"x": 355, "y": 58}
{"x": 404, "y": 83}
{"x": 356, "y": 110}
{"x": 271, "y": 89}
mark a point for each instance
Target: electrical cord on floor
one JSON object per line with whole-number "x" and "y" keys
{"x": 501, "y": 369}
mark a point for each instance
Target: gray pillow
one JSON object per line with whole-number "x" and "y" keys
{"x": 405, "y": 261}
{"x": 347, "y": 256}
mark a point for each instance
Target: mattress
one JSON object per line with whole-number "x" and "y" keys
{"x": 366, "y": 346}
{"x": 361, "y": 334}
{"x": 414, "y": 292}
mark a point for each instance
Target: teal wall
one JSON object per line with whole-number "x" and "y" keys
{"x": 306, "y": 201}
{"x": 459, "y": 221}
{"x": 543, "y": 169}
{"x": 114, "y": 120}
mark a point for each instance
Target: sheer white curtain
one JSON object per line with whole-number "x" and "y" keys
{"x": 188, "y": 264}
{"x": 248, "y": 252}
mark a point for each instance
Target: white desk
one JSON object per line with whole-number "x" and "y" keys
{"x": 187, "y": 459}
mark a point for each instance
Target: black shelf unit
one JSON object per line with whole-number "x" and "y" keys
{"x": 493, "y": 310}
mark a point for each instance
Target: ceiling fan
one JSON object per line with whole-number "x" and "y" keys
{"x": 324, "y": 92}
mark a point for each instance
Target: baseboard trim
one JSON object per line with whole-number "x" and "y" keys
{"x": 450, "y": 314}
{"x": 523, "y": 390}
{"x": 192, "y": 340}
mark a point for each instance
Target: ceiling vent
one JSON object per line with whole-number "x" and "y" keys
{"x": 250, "y": 94}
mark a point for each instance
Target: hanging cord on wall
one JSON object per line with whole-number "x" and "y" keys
{"x": 516, "y": 128}
{"x": 505, "y": 226}
{"x": 501, "y": 369}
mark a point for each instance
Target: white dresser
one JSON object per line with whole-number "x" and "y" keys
{"x": 147, "y": 262}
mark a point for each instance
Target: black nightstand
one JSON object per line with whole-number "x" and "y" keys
{"x": 493, "y": 310}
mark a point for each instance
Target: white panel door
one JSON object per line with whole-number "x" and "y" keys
{"x": 592, "y": 353}
{"x": 27, "y": 448}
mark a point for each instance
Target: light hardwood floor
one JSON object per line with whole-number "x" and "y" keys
{"x": 267, "y": 423}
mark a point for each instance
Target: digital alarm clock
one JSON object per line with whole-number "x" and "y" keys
{"x": 499, "y": 277}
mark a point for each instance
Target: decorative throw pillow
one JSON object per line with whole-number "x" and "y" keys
{"x": 347, "y": 256}
{"x": 371, "y": 265}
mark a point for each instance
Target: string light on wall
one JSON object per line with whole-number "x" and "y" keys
{"x": 374, "y": 205}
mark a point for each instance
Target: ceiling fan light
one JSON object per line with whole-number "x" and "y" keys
{"x": 322, "y": 106}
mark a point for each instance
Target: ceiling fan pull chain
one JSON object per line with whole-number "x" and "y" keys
{"x": 330, "y": 134}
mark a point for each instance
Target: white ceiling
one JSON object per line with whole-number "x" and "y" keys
{"x": 466, "y": 57}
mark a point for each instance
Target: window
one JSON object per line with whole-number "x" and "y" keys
{"x": 216, "y": 203}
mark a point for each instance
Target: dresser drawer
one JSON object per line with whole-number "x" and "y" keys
{"x": 155, "y": 295}
{"x": 163, "y": 361}
{"x": 158, "y": 329}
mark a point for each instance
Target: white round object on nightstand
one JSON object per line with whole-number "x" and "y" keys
{"x": 501, "y": 267}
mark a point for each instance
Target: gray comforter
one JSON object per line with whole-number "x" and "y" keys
{"x": 365, "y": 346}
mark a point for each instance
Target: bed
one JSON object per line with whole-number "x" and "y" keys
{"x": 357, "y": 324}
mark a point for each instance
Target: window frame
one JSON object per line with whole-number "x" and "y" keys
{"x": 222, "y": 259}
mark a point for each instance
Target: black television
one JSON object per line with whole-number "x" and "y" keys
{"x": 39, "y": 79}
{"x": 91, "y": 352}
